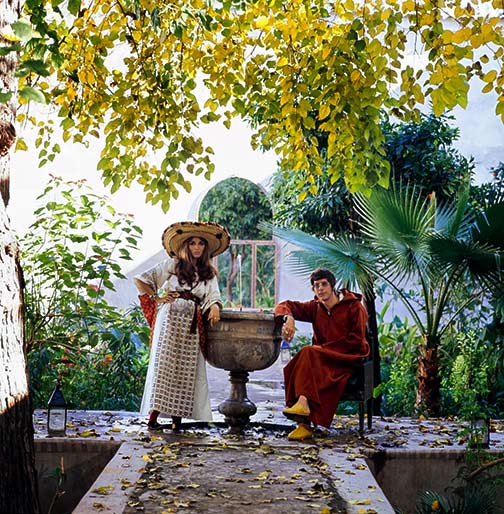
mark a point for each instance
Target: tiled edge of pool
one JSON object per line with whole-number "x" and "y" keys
{"x": 356, "y": 483}
{"x": 114, "y": 482}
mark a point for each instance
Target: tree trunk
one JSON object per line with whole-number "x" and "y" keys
{"x": 372, "y": 334}
{"x": 18, "y": 486}
{"x": 428, "y": 398}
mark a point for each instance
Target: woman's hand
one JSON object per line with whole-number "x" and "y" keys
{"x": 214, "y": 314}
{"x": 288, "y": 328}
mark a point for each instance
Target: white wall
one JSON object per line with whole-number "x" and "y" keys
{"x": 482, "y": 132}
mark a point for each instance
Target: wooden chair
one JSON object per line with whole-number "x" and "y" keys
{"x": 359, "y": 388}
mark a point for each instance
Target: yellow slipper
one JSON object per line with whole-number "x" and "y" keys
{"x": 300, "y": 433}
{"x": 296, "y": 413}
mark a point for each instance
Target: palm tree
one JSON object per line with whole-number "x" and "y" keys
{"x": 407, "y": 239}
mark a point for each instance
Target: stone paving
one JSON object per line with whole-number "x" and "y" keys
{"x": 205, "y": 469}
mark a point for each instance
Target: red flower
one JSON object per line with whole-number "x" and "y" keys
{"x": 106, "y": 360}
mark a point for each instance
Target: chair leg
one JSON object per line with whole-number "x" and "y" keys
{"x": 370, "y": 413}
{"x": 361, "y": 418}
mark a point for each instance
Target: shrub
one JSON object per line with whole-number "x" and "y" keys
{"x": 398, "y": 343}
{"x": 70, "y": 256}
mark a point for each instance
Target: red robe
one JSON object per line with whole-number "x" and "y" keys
{"x": 320, "y": 372}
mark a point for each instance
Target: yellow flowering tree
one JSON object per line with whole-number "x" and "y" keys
{"x": 310, "y": 76}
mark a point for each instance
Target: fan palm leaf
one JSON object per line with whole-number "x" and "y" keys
{"x": 397, "y": 225}
{"x": 454, "y": 219}
{"x": 479, "y": 259}
{"x": 349, "y": 259}
{"x": 488, "y": 228}
{"x": 479, "y": 498}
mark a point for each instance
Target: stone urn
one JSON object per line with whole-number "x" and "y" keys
{"x": 243, "y": 341}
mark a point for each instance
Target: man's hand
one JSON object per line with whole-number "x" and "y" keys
{"x": 214, "y": 314}
{"x": 289, "y": 327}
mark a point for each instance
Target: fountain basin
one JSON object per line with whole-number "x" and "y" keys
{"x": 244, "y": 340}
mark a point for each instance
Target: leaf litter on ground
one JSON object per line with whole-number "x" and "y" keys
{"x": 184, "y": 475}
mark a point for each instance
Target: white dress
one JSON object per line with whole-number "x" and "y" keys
{"x": 176, "y": 382}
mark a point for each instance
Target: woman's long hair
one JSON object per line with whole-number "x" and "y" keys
{"x": 187, "y": 267}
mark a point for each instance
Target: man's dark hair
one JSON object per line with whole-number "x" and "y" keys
{"x": 321, "y": 273}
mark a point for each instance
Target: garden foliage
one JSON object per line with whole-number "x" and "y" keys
{"x": 310, "y": 78}
{"x": 71, "y": 255}
{"x": 437, "y": 249}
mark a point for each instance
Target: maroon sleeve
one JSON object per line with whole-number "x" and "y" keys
{"x": 301, "y": 311}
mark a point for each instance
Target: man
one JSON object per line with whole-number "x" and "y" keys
{"x": 316, "y": 376}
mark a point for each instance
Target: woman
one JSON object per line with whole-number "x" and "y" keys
{"x": 175, "y": 295}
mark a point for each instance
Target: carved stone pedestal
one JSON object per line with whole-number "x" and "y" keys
{"x": 237, "y": 409}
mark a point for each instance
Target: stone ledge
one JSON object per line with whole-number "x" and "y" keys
{"x": 355, "y": 483}
{"x": 123, "y": 469}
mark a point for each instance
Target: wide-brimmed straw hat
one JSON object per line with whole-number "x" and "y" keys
{"x": 215, "y": 235}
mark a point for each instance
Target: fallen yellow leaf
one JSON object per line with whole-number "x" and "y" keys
{"x": 360, "y": 502}
{"x": 89, "y": 433}
{"x": 104, "y": 489}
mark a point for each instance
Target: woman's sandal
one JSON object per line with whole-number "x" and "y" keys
{"x": 154, "y": 425}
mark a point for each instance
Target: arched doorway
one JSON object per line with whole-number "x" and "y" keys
{"x": 248, "y": 269}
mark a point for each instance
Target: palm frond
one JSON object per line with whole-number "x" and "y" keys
{"x": 347, "y": 257}
{"x": 473, "y": 499}
{"x": 347, "y": 262}
{"x": 489, "y": 226}
{"x": 488, "y": 231}
{"x": 454, "y": 218}
{"x": 477, "y": 258}
{"x": 480, "y": 498}
{"x": 397, "y": 224}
